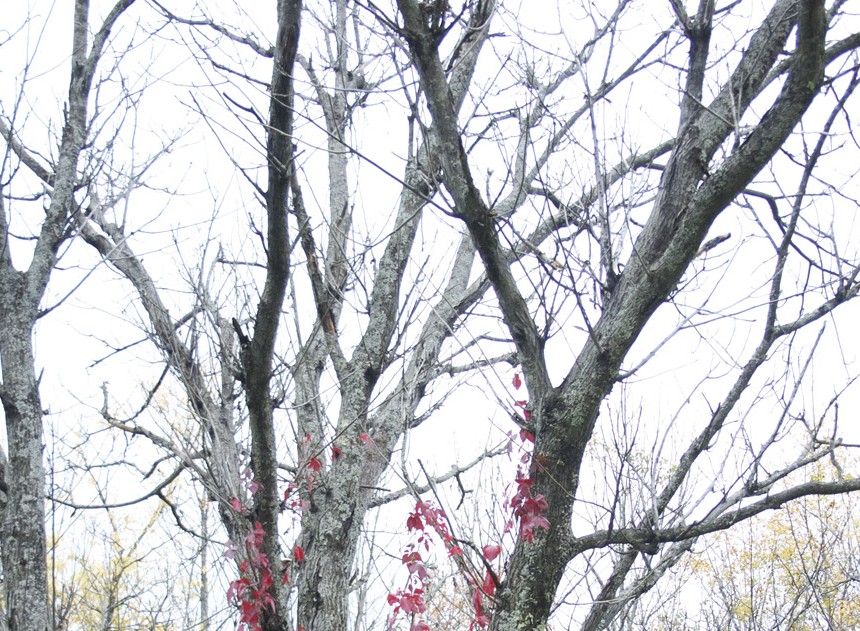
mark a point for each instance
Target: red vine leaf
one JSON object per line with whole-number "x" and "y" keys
{"x": 489, "y": 585}
{"x": 491, "y": 552}
{"x": 299, "y": 554}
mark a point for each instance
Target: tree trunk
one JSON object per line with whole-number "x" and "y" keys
{"x": 23, "y": 553}
{"x": 24, "y": 558}
{"x": 690, "y": 198}
{"x": 330, "y": 535}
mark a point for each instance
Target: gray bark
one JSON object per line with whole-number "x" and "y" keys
{"x": 339, "y": 504}
{"x": 688, "y": 201}
{"x": 23, "y": 534}
{"x": 564, "y": 416}
{"x": 257, "y": 355}
{"x": 24, "y": 561}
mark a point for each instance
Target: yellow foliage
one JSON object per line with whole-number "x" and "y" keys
{"x": 111, "y": 585}
{"x": 788, "y": 569}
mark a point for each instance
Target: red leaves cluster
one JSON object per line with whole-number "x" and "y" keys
{"x": 528, "y": 509}
{"x": 425, "y": 514}
{"x": 250, "y": 483}
{"x": 292, "y": 501}
{"x": 424, "y": 520}
{"x": 251, "y": 486}
{"x": 481, "y": 618}
{"x": 251, "y": 591}
{"x": 409, "y": 601}
{"x": 486, "y": 588}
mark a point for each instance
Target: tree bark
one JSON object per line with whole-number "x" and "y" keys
{"x": 23, "y": 545}
{"x": 23, "y": 538}
{"x": 257, "y": 355}
{"x": 688, "y": 201}
{"x": 342, "y": 495}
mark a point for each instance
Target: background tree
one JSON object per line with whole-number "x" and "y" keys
{"x": 794, "y": 568}
{"x": 128, "y": 578}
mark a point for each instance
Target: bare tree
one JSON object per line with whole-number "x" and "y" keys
{"x": 793, "y": 569}
{"x": 790, "y": 569}
{"x": 357, "y": 447}
{"x": 701, "y": 178}
{"x": 582, "y": 239}
{"x": 21, "y": 295}
{"x": 119, "y": 579}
